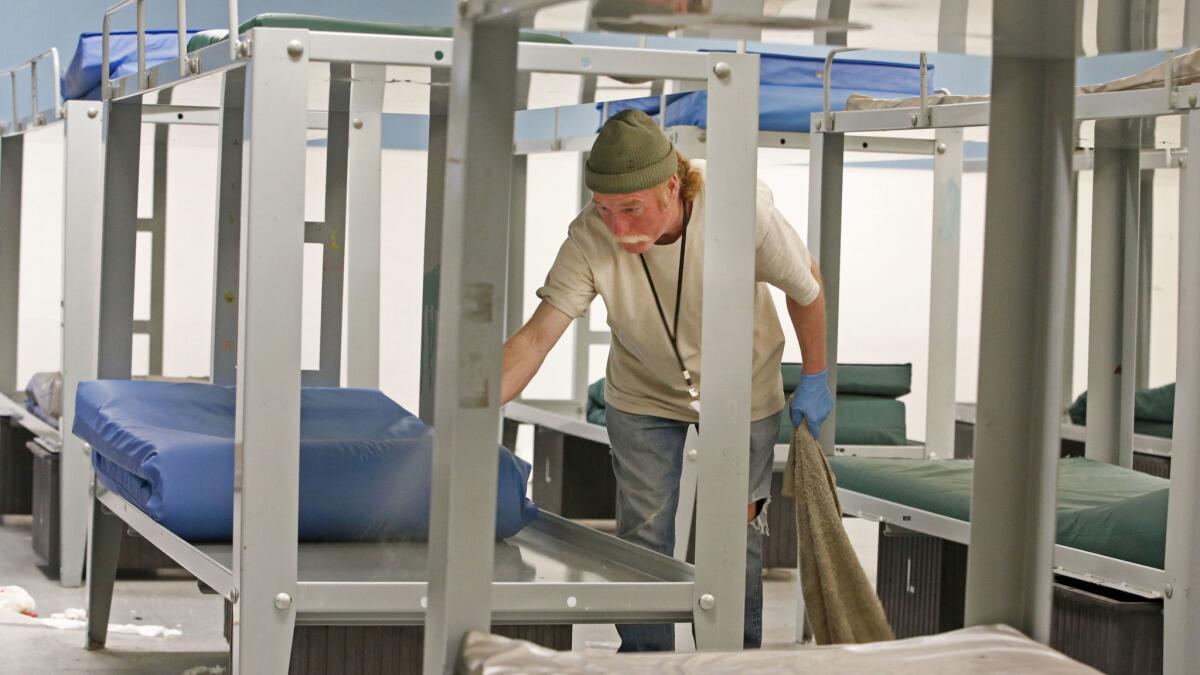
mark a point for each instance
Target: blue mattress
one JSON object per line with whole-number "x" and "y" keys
{"x": 81, "y": 79}
{"x": 365, "y": 462}
{"x": 790, "y": 91}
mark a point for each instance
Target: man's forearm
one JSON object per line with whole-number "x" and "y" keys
{"x": 526, "y": 350}
{"x": 520, "y": 365}
{"x": 809, "y": 323}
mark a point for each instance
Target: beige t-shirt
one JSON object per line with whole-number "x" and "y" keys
{"x": 643, "y": 374}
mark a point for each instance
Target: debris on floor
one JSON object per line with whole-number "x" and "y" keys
{"x": 75, "y": 618}
{"x": 15, "y": 600}
{"x": 205, "y": 670}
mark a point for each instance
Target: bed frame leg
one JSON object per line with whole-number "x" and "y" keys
{"x": 104, "y": 550}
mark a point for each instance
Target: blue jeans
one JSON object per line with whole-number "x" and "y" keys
{"x": 647, "y": 456}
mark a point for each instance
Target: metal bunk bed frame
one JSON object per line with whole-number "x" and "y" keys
{"x": 82, "y": 127}
{"x": 1182, "y": 565}
{"x": 598, "y": 578}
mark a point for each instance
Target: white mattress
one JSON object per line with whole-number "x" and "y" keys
{"x": 981, "y": 649}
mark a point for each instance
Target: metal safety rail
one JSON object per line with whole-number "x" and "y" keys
{"x": 1003, "y": 447}
{"x": 143, "y": 77}
{"x": 262, "y": 571}
{"x": 37, "y": 116}
{"x": 1166, "y": 100}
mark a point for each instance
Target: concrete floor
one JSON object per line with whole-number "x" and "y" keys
{"x": 31, "y": 649}
{"x": 36, "y": 649}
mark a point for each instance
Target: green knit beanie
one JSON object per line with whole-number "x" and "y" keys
{"x": 630, "y": 154}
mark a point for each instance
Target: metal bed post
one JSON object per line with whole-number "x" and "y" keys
{"x": 229, "y": 227}
{"x": 584, "y": 336}
{"x": 363, "y": 176}
{"x": 267, "y": 422}
{"x": 944, "y": 258}
{"x": 826, "y": 156}
{"x": 435, "y": 186}
{"x": 514, "y": 296}
{"x": 81, "y": 318}
{"x": 1011, "y": 553}
{"x": 1181, "y": 606}
{"x": 1069, "y": 310}
{"x": 1145, "y": 31}
{"x": 470, "y": 332}
{"x": 729, "y": 250}
{"x": 12, "y": 151}
{"x": 583, "y": 325}
{"x": 838, "y": 10}
{"x": 330, "y": 233}
{"x": 122, "y": 162}
{"x": 156, "y": 227}
{"x": 1114, "y": 277}
{"x": 752, "y": 8}
{"x": 1144, "y": 265}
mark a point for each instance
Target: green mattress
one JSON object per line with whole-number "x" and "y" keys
{"x": 1153, "y": 411}
{"x": 890, "y": 380}
{"x": 861, "y": 420}
{"x": 324, "y": 23}
{"x": 1102, "y": 509}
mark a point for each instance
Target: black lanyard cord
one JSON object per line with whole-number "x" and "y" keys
{"x": 673, "y": 335}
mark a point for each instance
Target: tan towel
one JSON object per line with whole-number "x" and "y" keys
{"x": 842, "y": 606}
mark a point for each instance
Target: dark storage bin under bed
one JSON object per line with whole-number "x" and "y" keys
{"x": 16, "y": 468}
{"x": 922, "y": 583}
{"x": 138, "y": 556}
{"x": 346, "y": 650}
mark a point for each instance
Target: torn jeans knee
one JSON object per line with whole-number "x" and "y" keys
{"x": 760, "y": 521}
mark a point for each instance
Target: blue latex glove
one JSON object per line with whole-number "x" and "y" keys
{"x": 812, "y": 402}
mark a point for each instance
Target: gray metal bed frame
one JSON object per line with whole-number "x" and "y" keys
{"x": 1005, "y": 503}
{"x": 82, "y": 129}
{"x": 583, "y": 576}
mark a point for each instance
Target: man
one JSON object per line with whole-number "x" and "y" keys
{"x": 640, "y": 245}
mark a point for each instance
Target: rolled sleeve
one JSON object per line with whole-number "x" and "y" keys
{"x": 781, "y": 258}
{"x": 569, "y": 285}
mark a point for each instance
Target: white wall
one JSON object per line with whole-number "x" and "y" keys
{"x": 39, "y": 333}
